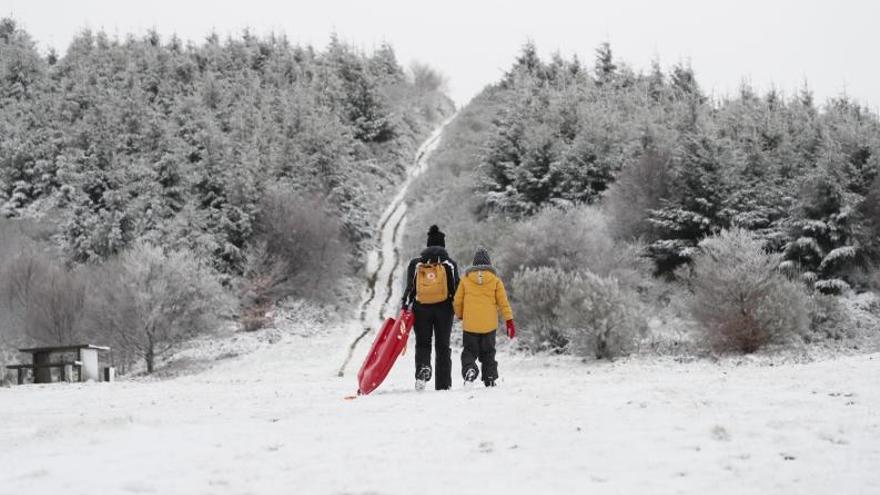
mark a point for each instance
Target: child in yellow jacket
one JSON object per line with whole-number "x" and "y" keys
{"x": 479, "y": 298}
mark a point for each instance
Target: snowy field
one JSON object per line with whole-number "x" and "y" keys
{"x": 275, "y": 421}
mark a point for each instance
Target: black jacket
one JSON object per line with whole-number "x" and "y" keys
{"x": 435, "y": 254}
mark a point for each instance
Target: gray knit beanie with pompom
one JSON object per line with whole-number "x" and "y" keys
{"x": 481, "y": 257}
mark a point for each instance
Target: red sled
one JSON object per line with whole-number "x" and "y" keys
{"x": 390, "y": 343}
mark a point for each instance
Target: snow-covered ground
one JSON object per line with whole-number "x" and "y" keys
{"x": 270, "y": 416}
{"x": 276, "y": 421}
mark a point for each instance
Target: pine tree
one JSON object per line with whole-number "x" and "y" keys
{"x": 606, "y": 69}
{"x": 694, "y": 211}
{"x": 364, "y": 105}
{"x": 528, "y": 65}
{"x": 656, "y": 81}
{"x": 822, "y": 227}
{"x": 684, "y": 82}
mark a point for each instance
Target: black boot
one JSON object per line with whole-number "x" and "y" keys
{"x": 470, "y": 375}
{"x": 423, "y": 376}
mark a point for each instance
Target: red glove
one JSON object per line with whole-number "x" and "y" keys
{"x": 511, "y": 330}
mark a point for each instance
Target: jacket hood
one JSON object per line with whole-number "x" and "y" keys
{"x": 481, "y": 274}
{"x": 434, "y": 253}
{"x": 477, "y": 268}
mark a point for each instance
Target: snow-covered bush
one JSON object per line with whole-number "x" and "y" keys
{"x": 572, "y": 239}
{"x": 576, "y": 311}
{"x": 740, "y": 298}
{"x": 147, "y": 302}
{"x": 537, "y": 294}
{"x": 600, "y": 317}
{"x": 829, "y": 318}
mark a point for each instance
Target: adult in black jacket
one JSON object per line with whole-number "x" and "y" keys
{"x": 434, "y": 318}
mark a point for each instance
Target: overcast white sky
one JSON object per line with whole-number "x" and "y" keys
{"x": 832, "y": 44}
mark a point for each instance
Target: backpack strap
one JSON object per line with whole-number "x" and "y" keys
{"x": 451, "y": 282}
{"x": 416, "y": 278}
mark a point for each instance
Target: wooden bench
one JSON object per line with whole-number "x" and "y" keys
{"x": 85, "y": 362}
{"x": 67, "y": 368}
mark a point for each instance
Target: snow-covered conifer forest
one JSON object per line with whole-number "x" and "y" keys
{"x": 694, "y": 277}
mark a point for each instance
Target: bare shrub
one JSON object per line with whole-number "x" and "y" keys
{"x": 15, "y": 244}
{"x": 41, "y": 300}
{"x": 148, "y": 302}
{"x": 56, "y": 307}
{"x": 638, "y": 189}
{"x": 572, "y": 239}
{"x": 18, "y": 272}
{"x": 264, "y": 283}
{"x": 303, "y": 242}
{"x": 297, "y": 251}
{"x": 741, "y": 300}
{"x": 576, "y": 311}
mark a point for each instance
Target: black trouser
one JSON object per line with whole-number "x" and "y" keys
{"x": 434, "y": 319}
{"x": 479, "y": 346}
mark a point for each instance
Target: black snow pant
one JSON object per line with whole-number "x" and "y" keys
{"x": 434, "y": 319}
{"x": 479, "y": 346}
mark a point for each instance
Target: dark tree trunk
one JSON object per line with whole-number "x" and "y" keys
{"x": 150, "y": 355}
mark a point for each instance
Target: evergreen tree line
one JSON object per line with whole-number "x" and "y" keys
{"x": 173, "y": 143}
{"x": 673, "y": 165}
{"x": 631, "y": 212}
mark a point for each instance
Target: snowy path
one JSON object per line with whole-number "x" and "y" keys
{"x": 384, "y": 265}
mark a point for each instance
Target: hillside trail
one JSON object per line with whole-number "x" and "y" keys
{"x": 384, "y": 264}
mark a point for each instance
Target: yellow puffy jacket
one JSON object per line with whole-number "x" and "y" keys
{"x": 479, "y": 297}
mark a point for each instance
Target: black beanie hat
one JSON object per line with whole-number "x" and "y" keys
{"x": 481, "y": 258}
{"x": 435, "y": 237}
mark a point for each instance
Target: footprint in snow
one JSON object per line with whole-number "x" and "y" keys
{"x": 834, "y": 439}
{"x": 139, "y": 487}
{"x": 40, "y": 473}
{"x": 486, "y": 447}
{"x": 720, "y": 433}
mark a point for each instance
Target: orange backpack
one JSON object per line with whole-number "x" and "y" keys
{"x": 431, "y": 285}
